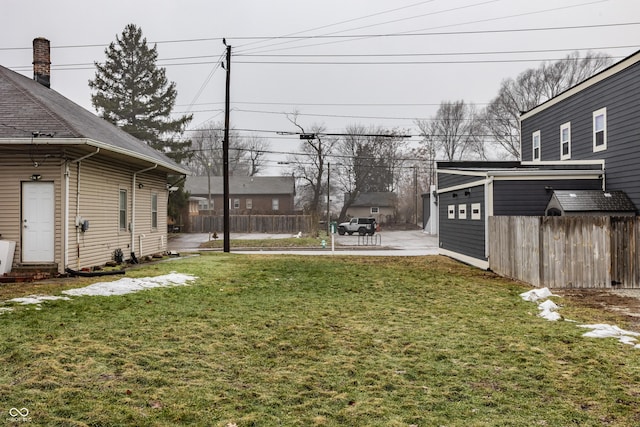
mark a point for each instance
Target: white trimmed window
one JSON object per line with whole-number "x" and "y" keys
{"x": 154, "y": 210}
{"x": 374, "y": 210}
{"x": 462, "y": 211}
{"x": 236, "y": 203}
{"x": 275, "y": 204}
{"x": 476, "y": 212}
{"x": 451, "y": 212}
{"x": 600, "y": 130}
{"x": 565, "y": 141}
{"x": 535, "y": 146}
{"x": 249, "y": 203}
{"x": 122, "y": 208}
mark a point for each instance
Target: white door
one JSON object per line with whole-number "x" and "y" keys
{"x": 38, "y": 225}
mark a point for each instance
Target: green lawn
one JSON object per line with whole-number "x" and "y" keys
{"x": 266, "y": 340}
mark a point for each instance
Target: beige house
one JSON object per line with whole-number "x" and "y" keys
{"x": 75, "y": 189}
{"x": 379, "y": 205}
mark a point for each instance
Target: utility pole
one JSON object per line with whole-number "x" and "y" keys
{"x": 225, "y": 154}
{"x": 328, "y": 199}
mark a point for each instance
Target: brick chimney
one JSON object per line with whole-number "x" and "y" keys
{"x": 42, "y": 61}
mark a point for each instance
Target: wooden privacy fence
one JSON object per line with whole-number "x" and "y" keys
{"x": 566, "y": 252}
{"x": 251, "y": 224}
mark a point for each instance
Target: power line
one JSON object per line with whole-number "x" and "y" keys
{"x": 354, "y": 36}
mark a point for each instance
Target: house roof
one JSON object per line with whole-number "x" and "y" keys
{"x": 29, "y": 109}
{"x": 375, "y": 199}
{"x": 593, "y": 201}
{"x": 241, "y": 185}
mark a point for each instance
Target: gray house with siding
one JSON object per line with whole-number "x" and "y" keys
{"x": 75, "y": 188}
{"x": 586, "y": 138}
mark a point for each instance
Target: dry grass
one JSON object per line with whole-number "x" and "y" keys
{"x": 286, "y": 340}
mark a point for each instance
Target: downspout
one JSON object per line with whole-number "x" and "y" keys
{"x": 133, "y": 207}
{"x": 65, "y": 230}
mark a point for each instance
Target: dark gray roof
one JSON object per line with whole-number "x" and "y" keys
{"x": 593, "y": 201}
{"x": 26, "y": 107}
{"x": 238, "y": 185}
{"x": 375, "y": 199}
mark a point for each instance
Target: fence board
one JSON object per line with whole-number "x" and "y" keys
{"x": 567, "y": 252}
{"x": 291, "y": 224}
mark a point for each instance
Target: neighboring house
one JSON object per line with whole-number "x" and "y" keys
{"x": 256, "y": 195}
{"x": 75, "y": 189}
{"x": 380, "y": 205}
{"x": 598, "y": 119}
{"x": 569, "y": 142}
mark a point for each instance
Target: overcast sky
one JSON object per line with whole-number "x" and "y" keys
{"x": 367, "y": 62}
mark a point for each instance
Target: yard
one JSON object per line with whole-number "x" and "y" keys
{"x": 330, "y": 341}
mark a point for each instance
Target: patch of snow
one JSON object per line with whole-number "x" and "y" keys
{"x": 36, "y": 299}
{"x": 548, "y": 310}
{"x": 128, "y": 285}
{"x": 536, "y": 294}
{"x": 5, "y": 309}
{"x": 602, "y": 330}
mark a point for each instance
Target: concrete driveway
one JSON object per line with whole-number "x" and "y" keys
{"x": 384, "y": 243}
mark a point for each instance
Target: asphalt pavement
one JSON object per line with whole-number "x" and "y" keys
{"x": 384, "y": 243}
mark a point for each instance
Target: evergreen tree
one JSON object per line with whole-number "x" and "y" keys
{"x": 134, "y": 94}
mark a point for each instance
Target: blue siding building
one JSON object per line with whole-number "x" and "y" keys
{"x": 586, "y": 138}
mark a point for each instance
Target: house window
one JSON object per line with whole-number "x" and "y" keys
{"x": 451, "y": 212}
{"x": 375, "y": 210}
{"x": 462, "y": 211}
{"x": 600, "y": 130}
{"x": 123, "y": 210}
{"x": 476, "y": 212}
{"x": 154, "y": 210}
{"x": 275, "y": 204}
{"x": 565, "y": 141}
{"x": 236, "y": 203}
{"x": 535, "y": 143}
{"x": 249, "y": 204}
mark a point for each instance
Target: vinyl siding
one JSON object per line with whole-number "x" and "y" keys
{"x": 446, "y": 180}
{"x": 530, "y": 197}
{"x": 100, "y": 181}
{"x": 100, "y": 185}
{"x": 463, "y": 236}
{"x": 620, "y": 94}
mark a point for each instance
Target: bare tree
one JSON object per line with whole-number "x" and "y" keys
{"x": 369, "y": 162}
{"x": 311, "y": 165}
{"x": 531, "y": 88}
{"x": 453, "y": 131}
{"x": 254, "y": 154}
{"x": 246, "y": 154}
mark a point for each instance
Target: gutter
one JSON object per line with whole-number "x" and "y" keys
{"x": 133, "y": 209}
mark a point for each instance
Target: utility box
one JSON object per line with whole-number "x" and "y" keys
{"x": 7, "y": 249}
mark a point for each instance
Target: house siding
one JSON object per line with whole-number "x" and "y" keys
{"x": 530, "y": 197}
{"x": 463, "y": 236}
{"x": 446, "y": 180}
{"x": 100, "y": 184}
{"x": 620, "y": 94}
{"x": 100, "y": 181}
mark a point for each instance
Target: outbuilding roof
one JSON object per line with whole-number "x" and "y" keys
{"x": 29, "y": 110}
{"x": 593, "y": 201}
